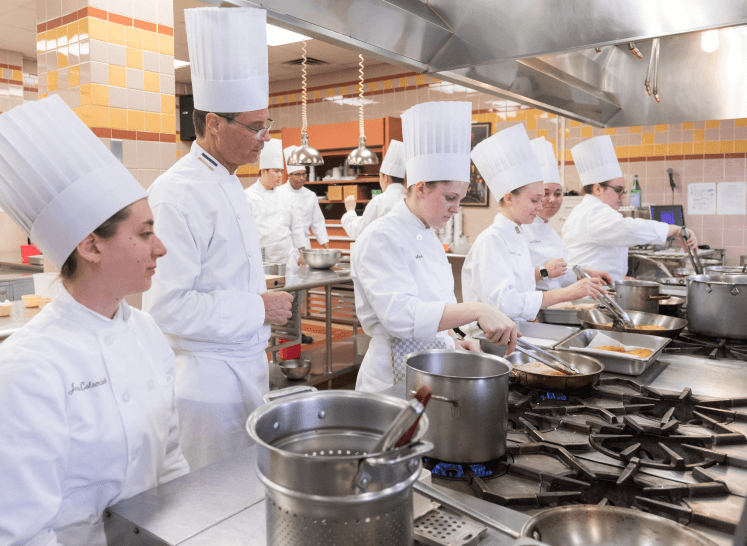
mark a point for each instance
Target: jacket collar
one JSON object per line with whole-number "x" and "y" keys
{"x": 403, "y": 211}
{"x": 198, "y": 154}
{"x": 505, "y": 225}
{"x": 67, "y": 306}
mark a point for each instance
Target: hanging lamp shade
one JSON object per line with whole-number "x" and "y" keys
{"x": 304, "y": 155}
{"x": 361, "y": 155}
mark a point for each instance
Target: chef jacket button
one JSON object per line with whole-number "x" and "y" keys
{"x": 419, "y": 237}
{"x": 151, "y": 384}
{"x": 126, "y": 397}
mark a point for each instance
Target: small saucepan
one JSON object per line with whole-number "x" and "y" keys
{"x": 590, "y": 369}
{"x": 670, "y": 306}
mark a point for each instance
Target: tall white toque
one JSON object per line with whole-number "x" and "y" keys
{"x": 507, "y": 161}
{"x": 228, "y": 58}
{"x": 546, "y": 157}
{"x": 437, "y": 137}
{"x": 394, "y": 160}
{"x": 271, "y": 156}
{"x": 596, "y": 161}
{"x": 58, "y": 181}
{"x": 290, "y": 169}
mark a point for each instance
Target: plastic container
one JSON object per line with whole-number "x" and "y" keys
{"x": 43, "y": 284}
{"x": 29, "y": 250}
{"x": 5, "y": 309}
{"x": 290, "y": 353}
{"x": 31, "y": 300}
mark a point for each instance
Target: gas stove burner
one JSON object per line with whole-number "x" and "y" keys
{"x": 543, "y": 395}
{"x": 689, "y": 343}
{"x": 606, "y": 490}
{"x": 465, "y": 471}
{"x": 655, "y": 451}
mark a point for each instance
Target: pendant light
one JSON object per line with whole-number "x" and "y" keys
{"x": 305, "y": 154}
{"x": 361, "y": 155}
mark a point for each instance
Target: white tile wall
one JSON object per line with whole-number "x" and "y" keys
{"x": 117, "y": 97}
{"x": 99, "y": 51}
{"x": 135, "y": 99}
{"x": 99, "y": 72}
{"x": 117, "y": 55}
{"x": 148, "y": 155}
{"x": 151, "y": 61}
{"x": 168, "y": 84}
{"x": 152, "y": 102}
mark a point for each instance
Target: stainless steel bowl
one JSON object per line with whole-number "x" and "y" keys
{"x": 321, "y": 258}
{"x": 295, "y": 369}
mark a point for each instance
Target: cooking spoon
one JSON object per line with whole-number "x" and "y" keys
{"x": 551, "y": 360}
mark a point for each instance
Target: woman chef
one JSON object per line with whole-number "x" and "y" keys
{"x": 86, "y": 386}
{"x": 595, "y": 234}
{"x": 498, "y": 270}
{"x": 546, "y": 249}
{"x": 404, "y": 288}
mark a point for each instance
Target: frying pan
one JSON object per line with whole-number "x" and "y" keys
{"x": 601, "y": 321}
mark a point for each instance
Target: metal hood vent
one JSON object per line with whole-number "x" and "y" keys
{"x": 570, "y": 58}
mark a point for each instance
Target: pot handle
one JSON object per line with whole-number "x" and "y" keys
{"x": 288, "y": 391}
{"x": 456, "y": 413}
{"x": 659, "y": 297}
{"x": 411, "y": 453}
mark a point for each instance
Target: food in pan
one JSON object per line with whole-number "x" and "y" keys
{"x": 537, "y": 367}
{"x": 574, "y": 306}
{"x": 611, "y": 348}
{"x": 640, "y": 353}
{"x": 650, "y": 327}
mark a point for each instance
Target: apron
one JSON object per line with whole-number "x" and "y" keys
{"x": 403, "y": 347}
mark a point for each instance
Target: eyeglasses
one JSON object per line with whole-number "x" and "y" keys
{"x": 260, "y": 132}
{"x": 619, "y": 190}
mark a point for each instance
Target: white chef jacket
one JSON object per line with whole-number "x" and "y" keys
{"x": 205, "y": 297}
{"x": 376, "y": 208}
{"x": 498, "y": 271}
{"x": 278, "y": 222}
{"x": 89, "y": 419}
{"x": 310, "y": 212}
{"x": 403, "y": 282}
{"x": 544, "y": 245}
{"x": 598, "y": 236}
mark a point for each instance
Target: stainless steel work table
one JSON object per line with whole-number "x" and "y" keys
{"x": 222, "y": 503}
{"x": 19, "y": 316}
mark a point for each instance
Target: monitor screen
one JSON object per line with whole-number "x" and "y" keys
{"x": 669, "y": 214}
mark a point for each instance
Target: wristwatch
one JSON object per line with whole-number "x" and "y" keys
{"x": 543, "y": 273}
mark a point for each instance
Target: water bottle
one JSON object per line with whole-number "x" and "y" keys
{"x": 635, "y": 193}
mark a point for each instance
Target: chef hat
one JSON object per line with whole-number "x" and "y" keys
{"x": 437, "y": 139}
{"x": 596, "y": 161}
{"x": 507, "y": 161}
{"x": 228, "y": 58}
{"x": 292, "y": 168}
{"x": 58, "y": 181}
{"x": 546, "y": 157}
{"x": 271, "y": 156}
{"x": 394, "y": 160}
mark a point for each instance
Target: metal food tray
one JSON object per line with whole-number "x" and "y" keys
{"x": 613, "y": 364}
{"x": 563, "y": 316}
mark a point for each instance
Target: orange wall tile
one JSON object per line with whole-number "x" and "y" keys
{"x": 85, "y": 94}
{"x": 74, "y": 75}
{"x": 52, "y": 80}
{"x": 166, "y": 44}
{"x": 97, "y": 29}
{"x": 118, "y": 118}
{"x": 116, "y": 33}
{"x": 135, "y": 120}
{"x": 168, "y": 123}
{"x": 117, "y": 76}
{"x": 99, "y": 94}
{"x": 152, "y": 82}
{"x": 134, "y": 58}
{"x": 100, "y": 116}
{"x": 134, "y": 37}
{"x": 152, "y": 122}
{"x": 168, "y": 103}
{"x": 150, "y": 41}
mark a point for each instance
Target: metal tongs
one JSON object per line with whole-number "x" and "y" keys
{"x": 553, "y": 361}
{"x": 694, "y": 259}
{"x": 618, "y": 313}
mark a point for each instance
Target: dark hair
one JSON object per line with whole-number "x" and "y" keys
{"x": 198, "y": 120}
{"x": 589, "y": 189}
{"x": 397, "y": 179}
{"x": 107, "y": 230}
{"x": 516, "y": 192}
{"x": 430, "y": 185}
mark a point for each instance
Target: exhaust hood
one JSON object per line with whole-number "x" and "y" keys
{"x": 569, "y": 57}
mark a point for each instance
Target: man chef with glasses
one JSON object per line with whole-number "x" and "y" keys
{"x": 209, "y": 296}
{"x": 596, "y": 235}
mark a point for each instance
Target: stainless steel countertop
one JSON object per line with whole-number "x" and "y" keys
{"x": 19, "y": 316}
{"x": 308, "y": 277}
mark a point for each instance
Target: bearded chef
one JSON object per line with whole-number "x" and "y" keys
{"x": 498, "y": 270}
{"x": 392, "y": 182}
{"x": 87, "y": 385}
{"x": 404, "y": 288}
{"x": 209, "y": 296}
{"x": 305, "y": 201}
{"x": 277, "y": 218}
{"x": 546, "y": 249}
{"x": 596, "y": 235}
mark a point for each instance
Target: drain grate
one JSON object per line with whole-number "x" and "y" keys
{"x": 442, "y": 529}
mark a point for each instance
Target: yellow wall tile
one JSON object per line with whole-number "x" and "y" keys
{"x": 166, "y": 44}
{"x": 99, "y": 116}
{"x": 586, "y": 132}
{"x": 117, "y": 76}
{"x": 61, "y": 35}
{"x": 610, "y": 131}
{"x": 568, "y": 156}
{"x": 134, "y": 37}
{"x": 99, "y": 94}
{"x": 317, "y": 94}
{"x": 726, "y": 147}
{"x": 168, "y": 104}
{"x": 698, "y": 147}
{"x": 83, "y": 28}
{"x": 52, "y": 80}
{"x": 741, "y": 122}
{"x": 634, "y": 129}
{"x": 96, "y": 29}
{"x": 687, "y": 148}
{"x": 661, "y": 128}
{"x": 43, "y": 95}
{"x": 292, "y": 96}
{"x": 118, "y": 118}
{"x": 575, "y": 123}
{"x": 134, "y": 58}
{"x": 152, "y": 122}
{"x": 647, "y": 150}
{"x": 699, "y": 135}
{"x": 41, "y": 42}
{"x": 711, "y": 147}
{"x": 85, "y": 94}
{"x": 687, "y": 126}
{"x": 62, "y": 60}
{"x": 634, "y": 151}
{"x": 620, "y": 151}
{"x": 531, "y": 124}
{"x": 18, "y": 75}
{"x": 674, "y": 149}
{"x": 51, "y": 37}
{"x": 116, "y": 33}
{"x": 542, "y": 133}
{"x": 135, "y": 120}
{"x": 74, "y": 75}
{"x": 152, "y": 82}
{"x": 647, "y": 138}
{"x": 660, "y": 149}
{"x": 86, "y": 115}
{"x": 72, "y": 32}
{"x": 712, "y": 124}
{"x": 150, "y": 41}
{"x": 740, "y": 146}
{"x": 168, "y": 123}
{"x": 178, "y": 154}
{"x": 78, "y": 113}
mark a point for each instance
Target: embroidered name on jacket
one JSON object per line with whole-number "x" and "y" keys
{"x": 418, "y": 256}
{"x": 84, "y": 386}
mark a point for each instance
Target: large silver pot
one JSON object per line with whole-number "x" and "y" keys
{"x": 717, "y": 305}
{"x": 468, "y": 411}
{"x": 638, "y": 295}
{"x": 726, "y": 270}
